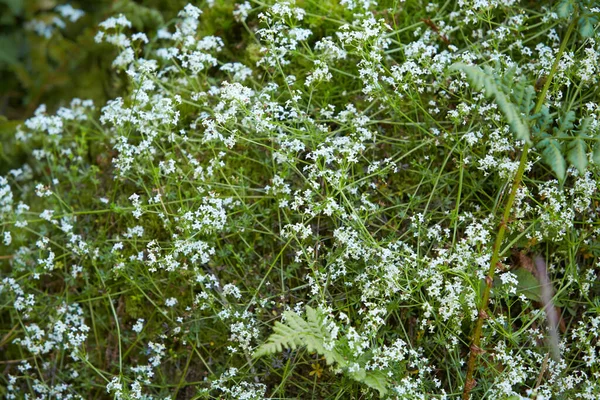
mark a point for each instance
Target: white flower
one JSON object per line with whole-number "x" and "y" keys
{"x": 67, "y": 11}
{"x": 7, "y": 238}
{"x": 171, "y": 301}
{"x": 139, "y": 325}
{"x": 241, "y": 11}
{"x": 114, "y": 22}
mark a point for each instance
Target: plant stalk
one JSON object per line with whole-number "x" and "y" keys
{"x": 475, "y": 349}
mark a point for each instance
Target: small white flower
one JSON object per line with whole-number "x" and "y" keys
{"x": 171, "y": 301}
{"x": 139, "y": 325}
{"x": 7, "y": 238}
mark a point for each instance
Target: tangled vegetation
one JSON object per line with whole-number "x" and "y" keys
{"x": 350, "y": 199}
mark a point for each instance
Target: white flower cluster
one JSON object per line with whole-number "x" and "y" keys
{"x": 353, "y": 172}
{"x": 48, "y": 25}
{"x": 67, "y": 331}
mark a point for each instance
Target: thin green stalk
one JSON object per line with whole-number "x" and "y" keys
{"x": 475, "y": 348}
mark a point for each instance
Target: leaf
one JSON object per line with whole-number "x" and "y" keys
{"x": 584, "y": 127}
{"x": 552, "y": 156}
{"x": 566, "y": 123}
{"x": 313, "y": 333}
{"x": 297, "y": 332}
{"x": 564, "y": 8}
{"x": 480, "y": 79}
{"x": 8, "y": 127}
{"x": 528, "y": 285}
{"x": 596, "y": 154}
{"x": 376, "y": 380}
{"x": 541, "y": 121}
{"x": 577, "y": 154}
{"x": 586, "y": 24}
{"x": 10, "y": 50}
{"x": 16, "y": 6}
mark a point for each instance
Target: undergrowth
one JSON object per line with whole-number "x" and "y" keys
{"x": 316, "y": 200}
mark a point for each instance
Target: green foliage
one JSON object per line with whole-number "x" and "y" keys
{"x": 313, "y": 333}
{"x": 555, "y": 150}
{"x": 296, "y": 331}
{"x": 516, "y": 101}
{"x": 565, "y": 8}
{"x": 552, "y": 154}
{"x": 373, "y": 194}
{"x": 528, "y": 285}
{"x": 587, "y": 18}
{"x": 500, "y": 90}
{"x": 586, "y": 24}
{"x": 52, "y": 70}
{"x": 565, "y": 123}
{"x": 141, "y": 16}
{"x": 577, "y": 154}
{"x": 515, "y": 98}
{"x": 596, "y": 152}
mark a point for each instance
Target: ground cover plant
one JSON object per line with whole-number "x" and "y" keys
{"x": 316, "y": 200}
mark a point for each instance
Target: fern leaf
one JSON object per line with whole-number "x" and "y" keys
{"x": 552, "y": 156}
{"x": 541, "y": 121}
{"x": 283, "y": 337}
{"x": 586, "y": 25}
{"x": 566, "y": 124}
{"x": 565, "y": 8}
{"x": 596, "y": 154}
{"x": 577, "y": 154}
{"x": 584, "y": 127}
{"x": 528, "y": 102}
{"x": 373, "y": 379}
{"x": 508, "y": 79}
{"x": 376, "y": 380}
{"x": 480, "y": 79}
{"x": 313, "y": 333}
{"x": 297, "y": 332}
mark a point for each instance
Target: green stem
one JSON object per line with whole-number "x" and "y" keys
{"x": 475, "y": 348}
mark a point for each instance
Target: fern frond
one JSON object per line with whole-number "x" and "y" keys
{"x": 584, "y": 128}
{"x": 552, "y": 156}
{"x": 484, "y": 80}
{"x": 577, "y": 154}
{"x": 297, "y": 332}
{"x": 596, "y": 153}
{"x": 313, "y": 333}
{"x": 541, "y": 121}
{"x": 373, "y": 379}
{"x": 528, "y": 103}
{"x": 565, "y": 124}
